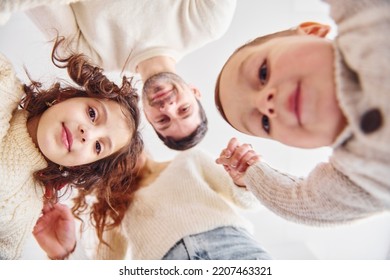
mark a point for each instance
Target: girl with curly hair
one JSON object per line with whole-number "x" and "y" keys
{"x": 82, "y": 136}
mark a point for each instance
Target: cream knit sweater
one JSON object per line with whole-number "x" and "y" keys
{"x": 192, "y": 194}
{"x": 120, "y": 34}
{"x": 20, "y": 197}
{"x": 355, "y": 183}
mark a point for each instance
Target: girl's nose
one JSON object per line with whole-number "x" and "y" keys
{"x": 83, "y": 134}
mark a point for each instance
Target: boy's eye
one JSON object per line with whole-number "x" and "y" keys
{"x": 265, "y": 124}
{"x": 263, "y": 73}
{"x": 98, "y": 147}
{"x": 92, "y": 114}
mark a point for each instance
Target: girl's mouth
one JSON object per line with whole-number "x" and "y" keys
{"x": 66, "y": 137}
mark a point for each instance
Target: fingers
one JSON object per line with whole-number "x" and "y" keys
{"x": 237, "y": 156}
{"x": 226, "y": 153}
{"x": 63, "y": 211}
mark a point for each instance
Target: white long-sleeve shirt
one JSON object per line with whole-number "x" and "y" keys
{"x": 119, "y": 34}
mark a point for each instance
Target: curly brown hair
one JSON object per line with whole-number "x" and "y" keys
{"x": 108, "y": 179}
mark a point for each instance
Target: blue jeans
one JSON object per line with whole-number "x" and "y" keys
{"x": 223, "y": 243}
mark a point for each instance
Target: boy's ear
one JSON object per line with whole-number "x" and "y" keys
{"x": 313, "y": 28}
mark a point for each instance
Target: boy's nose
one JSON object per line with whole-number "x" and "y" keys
{"x": 270, "y": 105}
{"x": 265, "y": 102}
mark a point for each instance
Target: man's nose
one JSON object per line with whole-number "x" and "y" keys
{"x": 166, "y": 106}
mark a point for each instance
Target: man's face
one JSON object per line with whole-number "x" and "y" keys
{"x": 170, "y": 105}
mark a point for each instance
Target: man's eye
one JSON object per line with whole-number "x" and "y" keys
{"x": 265, "y": 124}
{"x": 185, "y": 109}
{"x": 98, "y": 147}
{"x": 263, "y": 73}
{"x": 92, "y": 114}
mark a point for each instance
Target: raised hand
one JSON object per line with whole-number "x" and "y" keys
{"x": 55, "y": 231}
{"x": 236, "y": 158}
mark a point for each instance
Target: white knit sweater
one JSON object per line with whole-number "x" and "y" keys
{"x": 355, "y": 183}
{"x": 20, "y": 197}
{"x": 192, "y": 194}
{"x": 120, "y": 34}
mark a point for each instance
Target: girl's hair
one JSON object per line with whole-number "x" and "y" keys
{"x": 108, "y": 179}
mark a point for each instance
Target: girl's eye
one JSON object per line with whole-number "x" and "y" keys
{"x": 263, "y": 73}
{"x": 98, "y": 147}
{"x": 265, "y": 124}
{"x": 92, "y": 114}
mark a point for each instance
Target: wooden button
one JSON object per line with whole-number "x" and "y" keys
{"x": 371, "y": 121}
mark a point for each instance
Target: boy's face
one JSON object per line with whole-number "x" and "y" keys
{"x": 82, "y": 130}
{"x": 284, "y": 89}
{"x": 170, "y": 105}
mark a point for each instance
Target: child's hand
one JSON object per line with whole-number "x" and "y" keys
{"x": 236, "y": 158}
{"x": 55, "y": 231}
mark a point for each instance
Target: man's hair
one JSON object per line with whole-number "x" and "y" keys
{"x": 254, "y": 42}
{"x": 191, "y": 140}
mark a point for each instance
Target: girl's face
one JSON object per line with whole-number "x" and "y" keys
{"x": 284, "y": 89}
{"x": 82, "y": 130}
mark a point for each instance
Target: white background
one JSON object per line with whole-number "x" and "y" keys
{"x": 368, "y": 239}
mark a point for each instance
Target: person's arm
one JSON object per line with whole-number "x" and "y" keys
{"x": 59, "y": 20}
{"x": 7, "y": 7}
{"x": 11, "y": 92}
{"x": 53, "y": 20}
{"x": 325, "y": 196}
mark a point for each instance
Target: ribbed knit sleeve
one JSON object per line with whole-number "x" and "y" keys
{"x": 325, "y": 197}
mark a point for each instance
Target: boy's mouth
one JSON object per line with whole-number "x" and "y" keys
{"x": 295, "y": 103}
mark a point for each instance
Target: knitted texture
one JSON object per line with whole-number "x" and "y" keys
{"x": 192, "y": 195}
{"x": 355, "y": 183}
{"x": 20, "y": 197}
